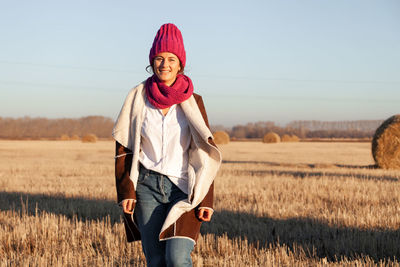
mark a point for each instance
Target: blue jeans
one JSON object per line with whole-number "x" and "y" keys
{"x": 155, "y": 195}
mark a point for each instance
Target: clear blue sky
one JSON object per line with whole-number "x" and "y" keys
{"x": 250, "y": 60}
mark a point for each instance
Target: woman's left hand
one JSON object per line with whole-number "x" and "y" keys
{"x": 205, "y": 214}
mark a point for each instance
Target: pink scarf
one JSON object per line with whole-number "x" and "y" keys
{"x": 163, "y": 96}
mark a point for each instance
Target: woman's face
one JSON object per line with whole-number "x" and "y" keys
{"x": 166, "y": 66}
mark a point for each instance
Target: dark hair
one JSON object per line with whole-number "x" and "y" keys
{"x": 149, "y": 69}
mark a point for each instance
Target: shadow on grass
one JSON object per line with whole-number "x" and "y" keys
{"x": 305, "y": 174}
{"x": 316, "y": 238}
{"x": 321, "y": 165}
{"x": 83, "y": 209}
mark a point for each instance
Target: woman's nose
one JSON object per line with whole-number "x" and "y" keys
{"x": 164, "y": 63}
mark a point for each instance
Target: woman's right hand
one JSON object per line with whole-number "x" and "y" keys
{"x": 128, "y": 205}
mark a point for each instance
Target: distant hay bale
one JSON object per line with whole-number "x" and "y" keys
{"x": 221, "y": 138}
{"x": 75, "y": 137}
{"x": 89, "y": 138}
{"x": 289, "y": 138}
{"x": 286, "y": 138}
{"x": 295, "y": 138}
{"x": 386, "y": 144}
{"x": 271, "y": 137}
{"x": 64, "y": 137}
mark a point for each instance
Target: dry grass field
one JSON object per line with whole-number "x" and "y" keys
{"x": 285, "y": 204}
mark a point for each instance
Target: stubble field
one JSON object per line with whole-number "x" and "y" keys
{"x": 287, "y": 204}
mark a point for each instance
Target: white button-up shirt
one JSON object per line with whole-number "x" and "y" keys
{"x": 165, "y": 141}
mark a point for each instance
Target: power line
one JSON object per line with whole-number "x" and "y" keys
{"x": 225, "y": 96}
{"x": 70, "y": 67}
{"x": 259, "y": 78}
{"x": 56, "y": 85}
{"x": 213, "y": 76}
{"x": 285, "y": 98}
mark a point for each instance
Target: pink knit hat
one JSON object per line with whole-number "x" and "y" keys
{"x": 168, "y": 39}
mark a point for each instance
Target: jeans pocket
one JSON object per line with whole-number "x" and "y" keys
{"x": 142, "y": 177}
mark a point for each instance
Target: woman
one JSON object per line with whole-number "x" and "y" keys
{"x": 166, "y": 160}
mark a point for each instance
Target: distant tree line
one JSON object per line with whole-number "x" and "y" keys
{"x": 306, "y": 129}
{"x": 36, "y": 128}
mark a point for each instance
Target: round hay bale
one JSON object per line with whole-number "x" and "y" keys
{"x": 64, "y": 137}
{"x": 295, "y": 138}
{"x": 89, "y": 138}
{"x": 75, "y": 137}
{"x": 386, "y": 144}
{"x": 286, "y": 138}
{"x": 271, "y": 137}
{"x": 221, "y": 138}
